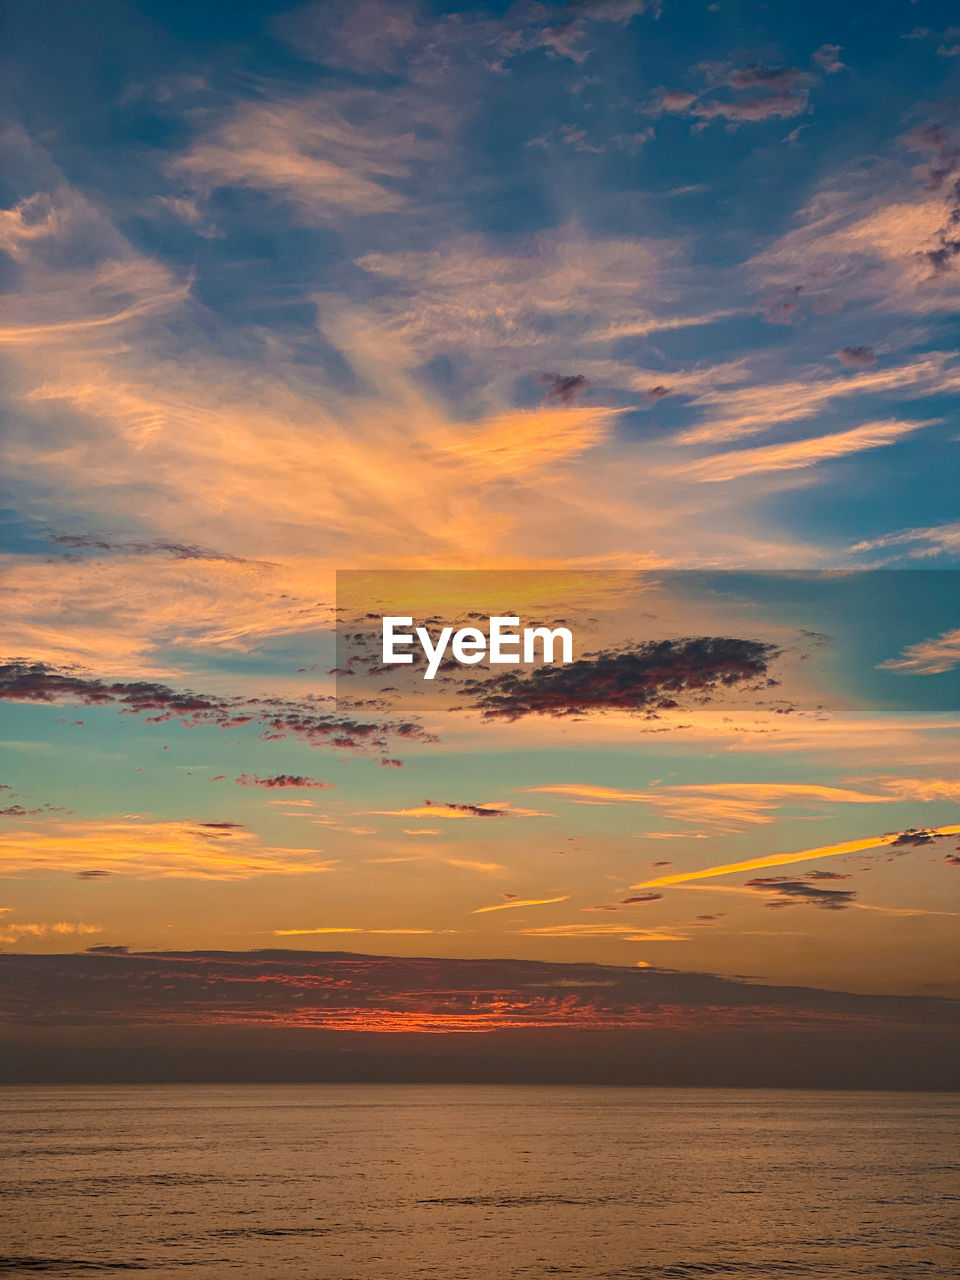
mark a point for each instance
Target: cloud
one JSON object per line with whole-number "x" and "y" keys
{"x": 724, "y": 806}
{"x": 827, "y": 57}
{"x": 281, "y": 780}
{"x": 562, "y": 39}
{"x": 19, "y": 811}
{"x": 871, "y": 242}
{"x": 789, "y": 893}
{"x": 733, "y": 413}
{"x": 157, "y": 546}
{"x": 463, "y": 864}
{"x": 275, "y": 719}
{"x": 297, "y": 990}
{"x": 923, "y": 789}
{"x": 786, "y": 859}
{"x": 757, "y": 76}
{"x": 16, "y": 933}
{"x": 785, "y": 94}
{"x": 564, "y": 388}
{"x": 928, "y": 657}
{"x": 292, "y": 933}
{"x": 303, "y": 462}
{"x": 795, "y": 455}
{"x": 520, "y": 902}
{"x": 150, "y": 849}
{"x": 857, "y": 357}
{"x": 78, "y": 277}
{"x": 522, "y": 295}
{"x": 647, "y": 678}
{"x": 773, "y": 106}
{"x": 309, "y": 153}
{"x": 627, "y": 932}
{"x": 364, "y": 35}
{"x": 618, "y": 11}
{"x": 444, "y": 809}
{"x": 942, "y": 175}
{"x": 921, "y": 543}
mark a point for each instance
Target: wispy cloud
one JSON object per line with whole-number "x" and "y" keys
{"x": 928, "y": 657}
{"x": 440, "y": 809}
{"x": 786, "y": 859}
{"x": 521, "y": 902}
{"x": 724, "y": 806}
{"x": 150, "y": 849}
{"x": 798, "y": 454}
{"x": 13, "y": 933}
{"x": 293, "y": 933}
{"x": 308, "y": 151}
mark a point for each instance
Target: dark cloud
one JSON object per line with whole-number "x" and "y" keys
{"x": 941, "y": 173}
{"x": 564, "y": 388}
{"x": 654, "y": 394}
{"x": 647, "y": 679}
{"x": 274, "y": 1015}
{"x": 281, "y": 780}
{"x": 154, "y": 547}
{"x": 113, "y": 984}
{"x": 391, "y": 762}
{"x": 857, "y": 357}
{"x": 93, "y": 875}
{"x": 913, "y": 838}
{"x": 273, "y": 718}
{"x": 791, "y": 892}
{"x": 637, "y": 900}
{"x": 472, "y": 810}
{"x": 19, "y": 811}
{"x": 826, "y": 875}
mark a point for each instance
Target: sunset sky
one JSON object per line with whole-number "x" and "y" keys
{"x": 608, "y": 289}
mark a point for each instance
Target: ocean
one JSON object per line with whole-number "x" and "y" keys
{"x": 487, "y": 1182}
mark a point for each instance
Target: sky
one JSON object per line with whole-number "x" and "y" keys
{"x": 641, "y": 316}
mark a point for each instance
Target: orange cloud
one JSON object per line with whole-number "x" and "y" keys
{"x": 148, "y": 849}
{"x": 436, "y": 809}
{"x": 727, "y": 806}
{"x": 929, "y": 657}
{"x": 784, "y": 859}
{"x": 796, "y": 454}
{"x": 291, "y": 933}
{"x": 14, "y": 933}
{"x": 520, "y": 902}
{"x": 629, "y": 933}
